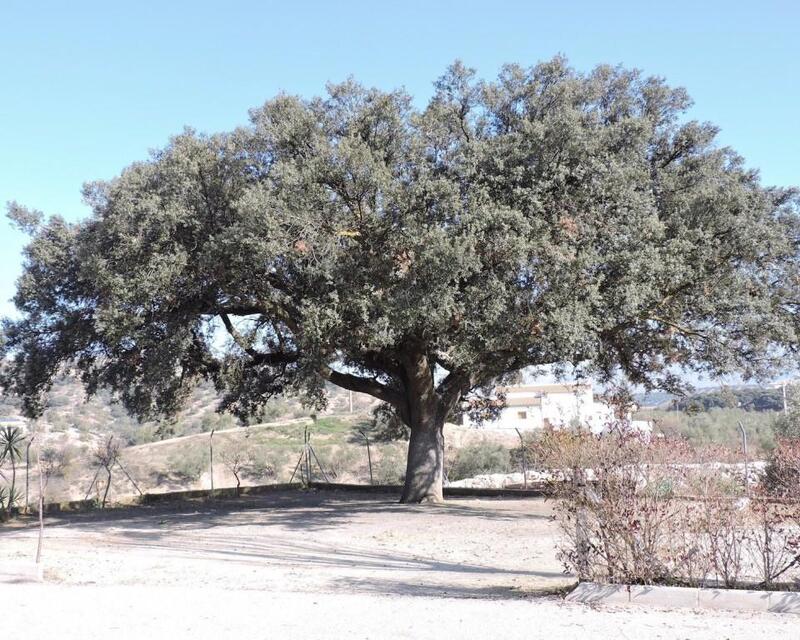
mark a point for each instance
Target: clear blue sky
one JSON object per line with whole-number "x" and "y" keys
{"x": 87, "y": 87}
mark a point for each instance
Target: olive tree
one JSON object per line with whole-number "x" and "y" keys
{"x": 416, "y": 254}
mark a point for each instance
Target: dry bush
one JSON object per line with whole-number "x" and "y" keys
{"x": 476, "y": 459}
{"x": 339, "y": 462}
{"x": 189, "y": 463}
{"x": 265, "y": 463}
{"x": 776, "y": 514}
{"x": 636, "y": 511}
{"x": 618, "y": 494}
{"x": 782, "y": 475}
{"x": 235, "y": 457}
{"x": 774, "y": 539}
{"x": 389, "y": 465}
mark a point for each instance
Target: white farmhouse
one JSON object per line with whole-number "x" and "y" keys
{"x": 555, "y": 405}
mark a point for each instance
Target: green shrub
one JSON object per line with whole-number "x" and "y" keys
{"x": 265, "y": 463}
{"x": 389, "y": 464}
{"x": 189, "y": 465}
{"x": 477, "y": 459}
{"x": 788, "y": 426}
{"x": 217, "y": 421}
{"x": 340, "y": 461}
{"x": 717, "y": 426}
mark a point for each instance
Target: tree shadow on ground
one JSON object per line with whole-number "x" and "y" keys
{"x": 307, "y": 511}
{"x": 311, "y": 555}
{"x": 491, "y": 592}
{"x": 276, "y": 532}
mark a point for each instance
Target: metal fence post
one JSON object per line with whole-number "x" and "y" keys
{"x": 744, "y": 450}
{"x": 369, "y": 456}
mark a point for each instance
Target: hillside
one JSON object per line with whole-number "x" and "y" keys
{"x": 71, "y": 414}
{"x": 167, "y": 455}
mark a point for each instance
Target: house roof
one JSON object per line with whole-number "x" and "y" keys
{"x": 546, "y": 388}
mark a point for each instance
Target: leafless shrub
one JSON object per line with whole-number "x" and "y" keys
{"x": 340, "y": 462}
{"x": 776, "y": 514}
{"x": 52, "y": 463}
{"x": 106, "y": 456}
{"x": 774, "y": 540}
{"x": 782, "y": 475}
{"x": 236, "y": 458}
{"x": 633, "y": 510}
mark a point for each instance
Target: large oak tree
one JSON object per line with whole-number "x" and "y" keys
{"x": 415, "y": 255}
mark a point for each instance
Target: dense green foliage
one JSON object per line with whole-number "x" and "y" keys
{"x": 480, "y": 458}
{"x": 718, "y": 427}
{"x": 386, "y": 425}
{"x": 788, "y": 424}
{"x": 714, "y": 417}
{"x": 546, "y": 217}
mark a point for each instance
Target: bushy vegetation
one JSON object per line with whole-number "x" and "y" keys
{"x": 389, "y": 464}
{"x": 643, "y": 511}
{"x": 188, "y": 465}
{"x": 480, "y": 458}
{"x": 340, "y": 462}
{"x": 266, "y": 463}
{"x": 277, "y": 409}
{"x": 717, "y": 426}
{"x": 782, "y": 475}
{"x": 12, "y": 442}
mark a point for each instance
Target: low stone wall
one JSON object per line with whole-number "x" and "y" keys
{"x": 477, "y": 492}
{"x": 223, "y": 492}
{"x": 687, "y": 597}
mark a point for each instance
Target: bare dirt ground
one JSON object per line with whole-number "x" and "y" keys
{"x": 332, "y": 565}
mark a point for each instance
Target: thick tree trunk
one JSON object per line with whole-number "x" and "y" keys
{"x": 425, "y": 466}
{"x": 420, "y": 403}
{"x": 425, "y": 414}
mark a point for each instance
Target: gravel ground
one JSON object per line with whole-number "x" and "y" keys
{"x": 309, "y": 542}
{"x": 331, "y": 565}
{"x": 136, "y": 612}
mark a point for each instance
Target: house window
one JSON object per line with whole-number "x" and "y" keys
{"x": 522, "y": 415}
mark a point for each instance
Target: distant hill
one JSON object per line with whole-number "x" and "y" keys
{"x": 653, "y": 398}
{"x": 749, "y": 398}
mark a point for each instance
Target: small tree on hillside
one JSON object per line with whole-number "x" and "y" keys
{"x": 106, "y": 455}
{"x": 549, "y": 216}
{"x": 52, "y": 463}
{"x": 236, "y": 459}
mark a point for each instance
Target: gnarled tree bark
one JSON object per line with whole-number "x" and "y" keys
{"x": 425, "y": 416}
{"x": 425, "y": 466}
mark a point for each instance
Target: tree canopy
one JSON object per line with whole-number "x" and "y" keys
{"x": 548, "y": 216}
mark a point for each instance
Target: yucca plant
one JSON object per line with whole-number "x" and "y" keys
{"x": 11, "y": 440}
